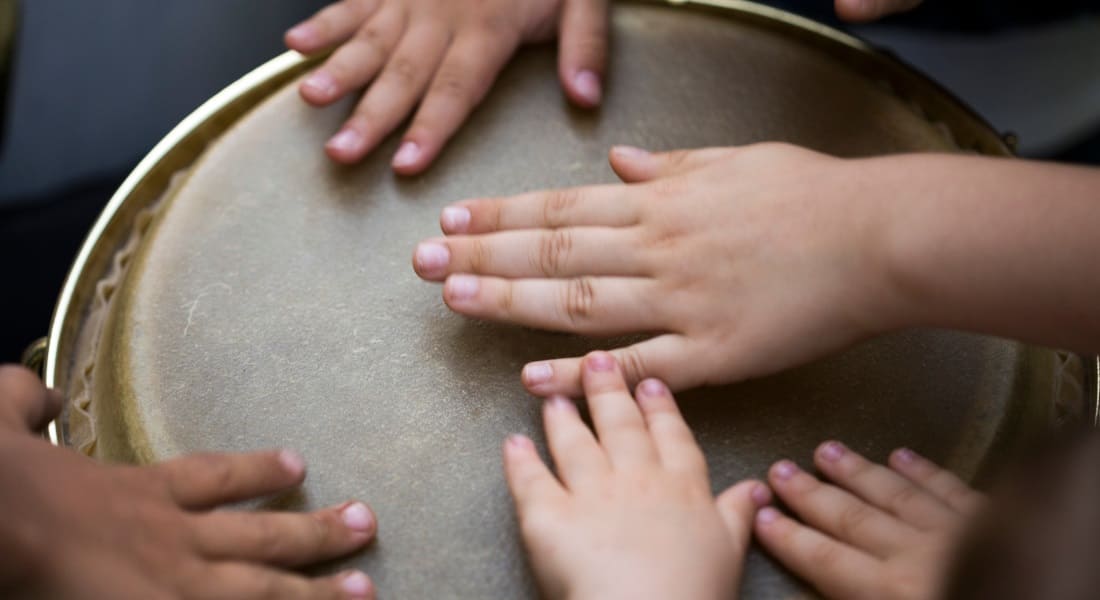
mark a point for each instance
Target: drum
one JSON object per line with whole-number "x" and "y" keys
{"x": 242, "y": 292}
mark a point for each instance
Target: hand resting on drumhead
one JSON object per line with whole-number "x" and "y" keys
{"x": 887, "y": 533}
{"x": 74, "y": 528}
{"x": 441, "y": 54}
{"x": 630, "y": 513}
{"x": 745, "y": 261}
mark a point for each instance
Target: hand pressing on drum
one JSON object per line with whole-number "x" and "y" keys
{"x": 742, "y": 262}
{"x": 734, "y": 257}
{"x": 74, "y": 528}
{"x": 887, "y": 533}
{"x": 441, "y": 54}
{"x": 630, "y": 513}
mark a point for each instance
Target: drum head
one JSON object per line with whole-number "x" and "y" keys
{"x": 268, "y": 300}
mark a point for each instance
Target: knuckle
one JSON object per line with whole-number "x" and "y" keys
{"x": 853, "y": 518}
{"x": 554, "y": 250}
{"x": 403, "y": 71}
{"x": 538, "y": 522}
{"x": 824, "y": 555}
{"x": 451, "y": 85}
{"x": 901, "y": 497}
{"x": 633, "y": 365}
{"x": 557, "y": 205}
{"x": 580, "y": 300}
{"x": 480, "y": 256}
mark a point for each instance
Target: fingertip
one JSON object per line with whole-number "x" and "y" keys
{"x": 409, "y": 159}
{"x": 347, "y": 147}
{"x": 584, "y": 88}
{"x": 359, "y": 518}
{"x": 599, "y": 362}
{"x": 455, "y": 219}
{"x": 303, "y": 37}
{"x": 767, "y": 517}
{"x": 357, "y": 585}
{"x": 292, "y": 463}
{"x": 460, "y": 289}
{"x": 319, "y": 88}
{"x": 518, "y": 444}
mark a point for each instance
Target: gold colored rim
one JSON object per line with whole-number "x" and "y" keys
{"x": 186, "y": 141}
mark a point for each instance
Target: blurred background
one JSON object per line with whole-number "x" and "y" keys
{"x": 87, "y": 87}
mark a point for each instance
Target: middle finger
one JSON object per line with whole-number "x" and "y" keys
{"x": 569, "y": 252}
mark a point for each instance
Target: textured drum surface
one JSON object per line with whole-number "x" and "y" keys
{"x": 272, "y": 303}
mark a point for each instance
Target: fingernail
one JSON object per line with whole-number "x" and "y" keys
{"x": 766, "y": 515}
{"x": 462, "y": 287}
{"x": 304, "y": 32}
{"x": 833, "y": 451}
{"x": 600, "y": 361}
{"x": 432, "y": 256}
{"x": 292, "y": 462}
{"x": 536, "y": 373}
{"x": 630, "y": 152}
{"x": 760, "y": 494}
{"x": 347, "y": 140}
{"x": 356, "y": 584}
{"x": 520, "y": 442}
{"x": 653, "y": 387}
{"x": 562, "y": 403}
{"x": 587, "y": 86}
{"x": 785, "y": 469}
{"x": 357, "y": 517}
{"x": 455, "y": 219}
{"x": 906, "y": 456}
{"x": 407, "y": 155}
{"x": 321, "y": 83}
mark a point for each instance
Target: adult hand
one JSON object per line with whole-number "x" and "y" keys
{"x": 441, "y": 54}
{"x": 75, "y": 528}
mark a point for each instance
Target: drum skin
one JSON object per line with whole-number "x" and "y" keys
{"x": 271, "y": 303}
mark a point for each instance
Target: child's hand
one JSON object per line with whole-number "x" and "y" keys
{"x": 881, "y": 533}
{"x": 441, "y": 54}
{"x": 156, "y": 531}
{"x": 631, "y": 514}
{"x": 745, "y": 261}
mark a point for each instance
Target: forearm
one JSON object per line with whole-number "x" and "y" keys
{"x": 997, "y": 246}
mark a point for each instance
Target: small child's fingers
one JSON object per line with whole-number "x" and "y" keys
{"x": 528, "y": 478}
{"x": 618, "y": 421}
{"x": 672, "y": 437}
{"x": 468, "y": 70}
{"x": 332, "y": 25}
{"x": 882, "y": 487}
{"x": 357, "y": 61}
{"x": 577, "y": 455}
{"x": 737, "y": 505}
{"x": 393, "y": 94}
{"x": 835, "y": 569}
{"x": 838, "y": 513}
{"x": 939, "y": 482}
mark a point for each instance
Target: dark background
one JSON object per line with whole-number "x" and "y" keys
{"x": 96, "y": 84}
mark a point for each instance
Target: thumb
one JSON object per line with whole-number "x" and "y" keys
{"x": 25, "y": 404}
{"x": 870, "y": 10}
{"x": 737, "y": 506}
{"x": 634, "y": 165}
{"x": 582, "y": 59}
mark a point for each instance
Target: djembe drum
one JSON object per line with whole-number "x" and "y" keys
{"x": 242, "y": 292}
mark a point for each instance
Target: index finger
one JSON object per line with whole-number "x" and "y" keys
{"x": 26, "y": 404}
{"x": 611, "y": 205}
{"x": 202, "y": 481}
